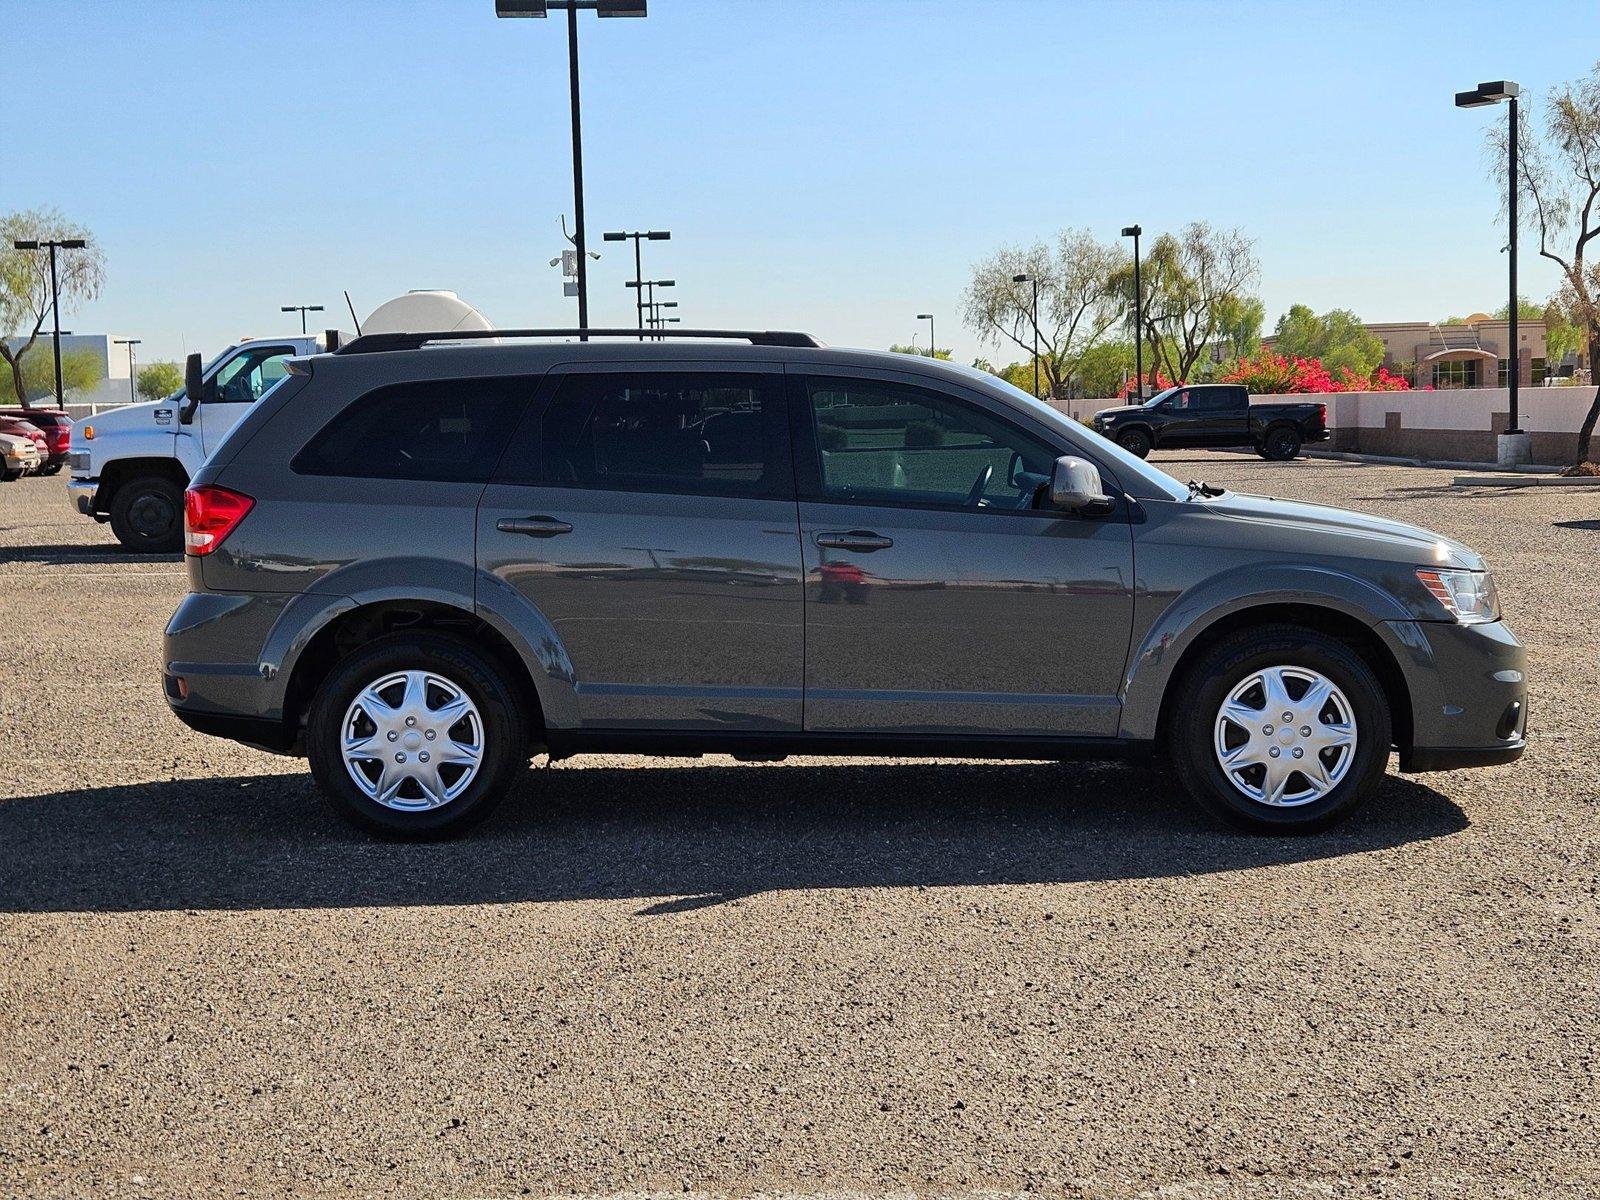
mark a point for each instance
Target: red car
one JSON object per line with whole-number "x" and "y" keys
{"x": 53, "y": 425}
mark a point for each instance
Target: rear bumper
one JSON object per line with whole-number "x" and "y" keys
{"x": 257, "y": 732}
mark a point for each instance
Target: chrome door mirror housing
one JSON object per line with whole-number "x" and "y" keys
{"x": 1075, "y": 486}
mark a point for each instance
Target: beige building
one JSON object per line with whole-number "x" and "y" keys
{"x": 1470, "y": 355}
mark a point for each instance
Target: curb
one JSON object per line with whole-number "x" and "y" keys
{"x": 1447, "y": 464}
{"x": 1513, "y": 481}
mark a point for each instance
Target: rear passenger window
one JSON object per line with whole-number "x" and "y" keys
{"x": 710, "y": 434}
{"x": 445, "y": 430}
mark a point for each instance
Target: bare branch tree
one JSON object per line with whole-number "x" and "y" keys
{"x": 25, "y": 282}
{"x": 1558, "y": 180}
{"x": 1194, "y": 285}
{"x": 1077, "y": 305}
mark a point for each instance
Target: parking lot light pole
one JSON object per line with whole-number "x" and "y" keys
{"x": 130, "y": 343}
{"x": 1134, "y": 231}
{"x": 52, "y": 244}
{"x": 302, "y": 309}
{"x": 1030, "y": 279}
{"x": 652, "y": 235}
{"x": 601, "y": 8}
{"x": 933, "y": 351}
{"x": 1493, "y": 92}
{"x": 647, "y": 289}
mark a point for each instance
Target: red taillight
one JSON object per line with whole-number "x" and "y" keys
{"x": 60, "y": 439}
{"x": 210, "y": 514}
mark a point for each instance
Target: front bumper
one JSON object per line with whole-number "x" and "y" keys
{"x": 1469, "y": 695}
{"x": 81, "y": 494}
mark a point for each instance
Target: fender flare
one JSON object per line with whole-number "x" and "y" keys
{"x": 1153, "y": 663}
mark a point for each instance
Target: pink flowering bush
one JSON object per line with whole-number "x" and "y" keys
{"x": 1266, "y": 373}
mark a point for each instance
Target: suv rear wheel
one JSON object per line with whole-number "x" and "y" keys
{"x": 147, "y": 515}
{"x": 1280, "y": 729}
{"x": 417, "y": 736}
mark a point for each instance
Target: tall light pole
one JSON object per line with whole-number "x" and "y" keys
{"x": 302, "y": 309}
{"x": 657, "y": 320}
{"x": 53, "y": 244}
{"x": 601, "y": 8}
{"x": 651, "y": 284}
{"x": 652, "y": 235}
{"x": 933, "y": 346}
{"x": 130, "y": 343}
{"x": 1493, "y": 92}
{"x": 1134, "y": 231}
{"x": 1025, "y": 278}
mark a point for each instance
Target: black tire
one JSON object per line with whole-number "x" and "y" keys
{"x": 52, "y": 469}
{"x": 10, "y": 476}
{"x": 504, "y": 734}
{"x": 147, "y": 515}
{"x": 1136, "y": 442}
{"x": 1282, "y": 443}
{"x": 1196, "y": 709}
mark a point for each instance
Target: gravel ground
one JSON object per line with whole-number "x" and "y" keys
{"x": 819, "y": 977}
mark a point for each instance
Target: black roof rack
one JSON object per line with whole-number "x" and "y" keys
{"x": 373, "y": 343}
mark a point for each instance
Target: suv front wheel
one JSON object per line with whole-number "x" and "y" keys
{"x": 1280, "y": 729}
{"x": 416, "y": 737}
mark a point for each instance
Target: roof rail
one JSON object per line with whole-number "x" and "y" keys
{"x": 374, "y": 343}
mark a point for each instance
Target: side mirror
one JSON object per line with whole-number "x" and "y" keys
{"x": 1075, "y": 486}
{"x": 193, "y": 389}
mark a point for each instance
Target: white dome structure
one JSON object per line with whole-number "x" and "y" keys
{"x": 425, "y": 312}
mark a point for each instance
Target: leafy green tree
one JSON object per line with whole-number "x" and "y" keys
{"x": 80, "y": 371}
{"x": 1077, "y": 304}
{"x": 158, "y": 380}
{"x": 1195, "y": 284}
{"x": 1337, "y": 337}
{"x": 897, "y": 348}
{"x": 25, "y": 284}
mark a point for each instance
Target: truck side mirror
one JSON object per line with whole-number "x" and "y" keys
{"x": 1075, "y": 486}
{"x": 193, "y": 389}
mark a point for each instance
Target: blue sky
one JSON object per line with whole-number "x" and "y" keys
{"x": 835, "y": 166}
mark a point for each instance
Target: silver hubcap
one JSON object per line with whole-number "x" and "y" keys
{"x": 412, "y": 740}
{"x": 1285, "y": 736}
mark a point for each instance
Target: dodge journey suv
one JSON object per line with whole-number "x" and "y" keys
{"x": 423, "y": 559}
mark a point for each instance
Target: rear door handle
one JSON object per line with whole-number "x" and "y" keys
{"x": 533, "y": 526}
{"x": 861, "y": 540}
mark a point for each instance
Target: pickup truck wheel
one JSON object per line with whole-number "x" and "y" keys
{"x": 1280, "y": 729}
{"x": 1135, "y": 442}
{"x": 416, "y": 737}
{"x": 1282, "y": 443}
{"x": 147, "y": 515}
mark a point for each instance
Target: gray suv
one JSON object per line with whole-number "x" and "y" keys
{"x": 423, "y": 559}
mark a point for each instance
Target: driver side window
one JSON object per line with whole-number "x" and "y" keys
{"x": 247, "y": 376}
{"x": 891, "y": 443}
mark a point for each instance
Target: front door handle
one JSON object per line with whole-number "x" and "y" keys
{"x": 861, "y": 540}
{"x": 541, "y": 527}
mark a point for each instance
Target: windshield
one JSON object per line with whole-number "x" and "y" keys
{"x": 1160, "y": 396}
{"x": 1125, "y": 463}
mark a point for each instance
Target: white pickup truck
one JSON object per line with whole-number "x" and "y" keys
{"x": 130, "y": 465}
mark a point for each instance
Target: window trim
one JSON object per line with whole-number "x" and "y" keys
{"x": 528, "y": 437}
{"x": 808, "y": 458}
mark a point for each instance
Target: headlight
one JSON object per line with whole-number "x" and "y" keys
{"x": 1468, "y": 596}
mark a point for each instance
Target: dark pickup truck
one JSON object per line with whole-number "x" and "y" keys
{"x": 1213, "y": 414}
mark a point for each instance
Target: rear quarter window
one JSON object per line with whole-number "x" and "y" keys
{"x": 443, "y": 430}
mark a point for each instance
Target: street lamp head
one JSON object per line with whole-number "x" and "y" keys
{"x": 663, "y": 282}
{"x": 288, "y": 308}
{"x": 520, "y": 8}
{"x": 619, "y": 8}
{"x": 1022, "y": 279}
{"x": 25, "y": 244}
{"x": 1132, "y": 230}
{"x": 667, "y": 304}
{"x": 72, "y": 243}
{"x": 1500, "y": 89}
{"x": 313, "y": 308}
{"x": 614, "y": 237}
{"x": 924, "y": 316}
{"x": 1472, "y": 99}
{"x": 659, "y": 235}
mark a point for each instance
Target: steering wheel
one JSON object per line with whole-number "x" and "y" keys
{"x": 975, "y": 496}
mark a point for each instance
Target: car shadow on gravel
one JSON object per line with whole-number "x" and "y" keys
{"x": 79, "y": 554}
{"x": 679, "y": 837}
